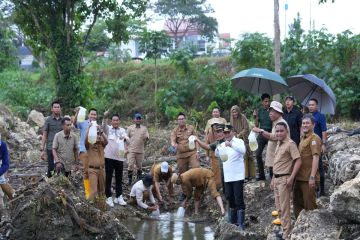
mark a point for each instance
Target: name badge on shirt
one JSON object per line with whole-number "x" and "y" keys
{"x": 313, "y": 143}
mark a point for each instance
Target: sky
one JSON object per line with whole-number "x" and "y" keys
{"x": 239, "y": 16}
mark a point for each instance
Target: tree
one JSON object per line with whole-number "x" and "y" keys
{"x": 183, "y": 16}
{"x": 7, "y": 47}
{"x": 98, "y": 39}
{"x": 55, "y": 27}
{"x": 154, "y": 44}
{"x": 253, "y": 50}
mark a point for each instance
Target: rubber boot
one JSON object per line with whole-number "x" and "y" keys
{"x": 232, "y": 216}
{"x": 241, "y": 219}
{"x": 139, "y": 174}
{"x": 130, "y": 175}
{"x": 322, "y": 186}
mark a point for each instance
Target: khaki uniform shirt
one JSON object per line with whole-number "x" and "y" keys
{"x": 158, "y": 176}
{"x": 138, "y": 137}
{"x": 195, "y": 177}
{"x": 96, "y": 155}
{"x": 181, "y": 137}
{"x": 270, "y": 150}
{"x": 286, "y": 152}
{"x": 309, "y": 146}
{"x": 65, "y": 147}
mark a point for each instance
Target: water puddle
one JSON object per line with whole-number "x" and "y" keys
{"x": 168, "y": 227}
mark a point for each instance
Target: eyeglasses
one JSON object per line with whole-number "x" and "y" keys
{"x": 179, "y": 119}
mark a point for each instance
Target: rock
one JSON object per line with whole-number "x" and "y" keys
{"x": 316, "y": 224}
{"x": 36, "y": 118}
{"x": 227, "y": 231}
{"x": 345, "y": 201}
{"x": 344, "y": 157}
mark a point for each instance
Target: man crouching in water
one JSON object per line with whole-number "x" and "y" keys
{"x": 200, "y": 179}
{"x": 142, "y": 191}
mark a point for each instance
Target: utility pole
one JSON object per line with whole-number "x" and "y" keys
{"x": 276, "y": 42}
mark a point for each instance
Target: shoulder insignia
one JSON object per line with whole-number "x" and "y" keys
{"x": 313, "y": 142}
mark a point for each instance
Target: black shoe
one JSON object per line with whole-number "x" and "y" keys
{"x": 182, "y": 197}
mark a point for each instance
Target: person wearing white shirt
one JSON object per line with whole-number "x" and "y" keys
{"x": 234, "y": 175}
{"x": 141, "y": 191}
{"x": 114, "y": 158}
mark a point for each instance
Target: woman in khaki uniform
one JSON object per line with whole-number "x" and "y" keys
{"x": 241, "y": 127}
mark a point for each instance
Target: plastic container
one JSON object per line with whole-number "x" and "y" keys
{"x": 121, "y": 147}
{"x": 180, "y": 212}
{"x": 155, "y": 213}
{"x": 92, "y": 136}
{"x": 192, "y": 142}
{"x": 87, "y": 188}
{"x": 81, "y": 115}
{"x": 223, "y": 153}
{"x": 252, "y": 141}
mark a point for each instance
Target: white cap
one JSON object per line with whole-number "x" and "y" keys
{"x": 164, "y": 167}
{"x": 276, "y": 106}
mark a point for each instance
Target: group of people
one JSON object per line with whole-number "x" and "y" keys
{"x": 295, "y": 142}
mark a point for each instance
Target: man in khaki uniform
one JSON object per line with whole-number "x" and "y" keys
{"x": 65, "y": 148}
{"x": 162, "y": 172}
{"x": 185, "y": 156}
{"x": 200, "y": 179}
{"x": 95, "y": 163}
{"x": 308, "y": 175}
{"x": 138, "y": 135}
{"x": 286, "y": 165}
{"x": 275, "y": 115}
{"x": 211, "y": 137}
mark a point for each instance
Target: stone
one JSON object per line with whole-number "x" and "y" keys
{"x": 316, "y": 224}
{"x": 37, "y": 118}
{"x": 227, "y": 231}
{"x": 344, "y": 157}
{"x": 345, "y": 201}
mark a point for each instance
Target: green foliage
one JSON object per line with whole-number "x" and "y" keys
{"x": 181, "y": 16}
{"x": 336, "y": 59}
{"x": 23, "y": 92}
{"x": 98, "y": 39}
{"x": 212, "y": 105}
{"x": 7, "y": 49}
{"x": 55, "y": 27}
{"x": 154, "y": 44}
{"x": 181, "y": 59}
{"x": 253, "y": 50}
{"x": 172, "y": 112}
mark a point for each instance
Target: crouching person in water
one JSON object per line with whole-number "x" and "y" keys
{"x": 95, "y": 162}
{"x": 162, "y": 172}
{"x": 141, "y": 191}
{"x": 200, "y": 179}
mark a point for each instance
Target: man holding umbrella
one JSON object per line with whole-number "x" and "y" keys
{"x": 320, "y": 130}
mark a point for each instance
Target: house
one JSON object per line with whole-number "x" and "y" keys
{"x": 26, "y": 58}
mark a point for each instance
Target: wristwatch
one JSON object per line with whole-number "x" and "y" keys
{"x": 312, "y": 178}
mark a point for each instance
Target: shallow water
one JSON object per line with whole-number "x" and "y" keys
{"x": 168, "y": 227}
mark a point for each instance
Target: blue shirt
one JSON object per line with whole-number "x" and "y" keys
{"x": 320, "y": 123}
{"x": 83, "y": 126}
{"x": 4, "y": 158}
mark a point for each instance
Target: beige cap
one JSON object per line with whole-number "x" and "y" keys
{"x": 276, "y": 106}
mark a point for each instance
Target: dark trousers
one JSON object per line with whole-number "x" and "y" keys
{"x": 234, "y": 192}
{"x": 51, "y": 164}
{"x": 110, "y": 166}
{"x": 260, "y": 164}
{"x": 322, "y": 176}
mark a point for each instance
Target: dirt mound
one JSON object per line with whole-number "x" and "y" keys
{"x": 53, "y": 210}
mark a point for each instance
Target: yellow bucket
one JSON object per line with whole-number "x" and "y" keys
{"x": 87, "y": 188}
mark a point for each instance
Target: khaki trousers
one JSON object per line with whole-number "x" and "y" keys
{"x": 304, "y": 197}
{"x": 215, "y": 168}
{"x": 135, "y": 159}
{"x": 184, "y": 163}
{"x": 97, "y": 182}
{"x": 282, "y": 202}
{"x": 83, "y": 159}
{"x": 250, "y": 170}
